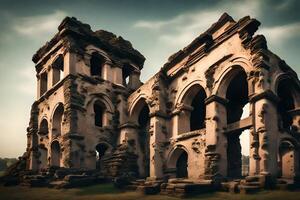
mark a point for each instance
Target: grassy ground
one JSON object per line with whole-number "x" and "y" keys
{"x": 108, "y": 192}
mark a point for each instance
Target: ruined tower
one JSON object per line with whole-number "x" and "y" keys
{"x": 83, "y": 81}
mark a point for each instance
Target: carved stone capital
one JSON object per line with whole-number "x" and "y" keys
{"x": 215, "y": 98}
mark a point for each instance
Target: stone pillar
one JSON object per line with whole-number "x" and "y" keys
{"x": 157, "y": 133}
{"x": 117, "y": 76}
{"x": 266, "y": 130}
{"x": 32, "y": 139}
{"x": 216, "y": 141}
{"x": 74, "y": 103}
{"x": 254, "y": 158}
{"x": 107, "y": 73}
{"x": 70, "y": 63}
{"x": 134, "y": 80}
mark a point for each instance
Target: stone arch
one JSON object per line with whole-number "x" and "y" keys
{"x": 58, "y": 68}
{"x": 135, "y": 106}
{"x": 57, "y": 120}
{"x": 105, "y": 99}
{"x": 101, "y": 109}
{"x": 55, "y": 159}
{"x": 226, "y": 77}
{"x": 97, "y": 62}
{"x": 140, "y": 115}
{"x": 184, "y": 91}
{"x": 178, "y": 162}
{"x": 43, "y": 127}
{"x": 102, "y": 149}
{"x": 288, "y": 158}
{"x": 192, "y": 101}
{"x": 233, "y": 87}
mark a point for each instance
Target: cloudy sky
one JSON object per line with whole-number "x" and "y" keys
{"x": 157, "y": 28}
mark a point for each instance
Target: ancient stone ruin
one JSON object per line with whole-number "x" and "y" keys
{"x": 177, "y": 133}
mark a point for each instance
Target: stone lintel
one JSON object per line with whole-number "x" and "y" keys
{"x": 128, "y": 125}
{"x": 216, "y": 98}
{"x": 240, "y": 125}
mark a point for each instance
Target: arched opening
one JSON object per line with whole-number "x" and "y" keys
{"x": 287, "y": 160}
{"x": 43, "y": 83}
{"x": 97, "y": 61}
{"x": 179, "y": 162}
{"x": 57, "y": 120}
{"x": 100, "y": 152}
{"x": 181, "y": 166}
{"x": 238, "y": 139}
{"x": 55, "y": 154}
{"x": 237, "y": 96}
{"x": 197, "y": 118}
{"x": 126, "y": 72}
{"x": 43, "y": 130}
{"x": 99, "y": 110}
{"x": 58, "y": 69}
{"x": 144, "y": 137}
{"x": 139, "y": 115}
{"x": 285, "y": 104}
{"x": 193, "y": 117}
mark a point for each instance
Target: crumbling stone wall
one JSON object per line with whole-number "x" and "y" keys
{"x": 228, "y": 64}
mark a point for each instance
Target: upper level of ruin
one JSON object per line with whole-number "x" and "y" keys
{"x": 77, "y": 35}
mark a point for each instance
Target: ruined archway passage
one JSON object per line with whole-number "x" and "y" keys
{"x": 144, "y": 137}
{"x": 181, "y": 166}
{"x": 197, "y": 118}
{"x": 178, "y": 163}
{"x": 57, "y": 120}
{"x": 237, "y": 96}
{"x": 100, "y": 152}
{"x": 285, "y": 104}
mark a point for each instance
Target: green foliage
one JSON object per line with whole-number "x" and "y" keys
{"x": 6, "y": 162}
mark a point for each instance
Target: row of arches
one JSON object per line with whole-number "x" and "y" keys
{"x": 97, "y": 62}
{"x": 235, "y": 90}
{"x": 57, "y": 72}
{"x": 57, "y": 120}
{"x": 99, "y": 111}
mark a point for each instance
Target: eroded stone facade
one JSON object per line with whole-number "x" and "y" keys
{"x": 93, "y": 112}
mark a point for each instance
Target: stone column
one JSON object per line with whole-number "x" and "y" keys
{"x": 70, "y": 63}
{"x": 134, "y": 80}
{"x": 216, "y": 141}
{"x": 157, "y": 133}
{"x": 32, "y": 139}
{"x": 254, "y": 158}
{"x": 266, "y": 129}
{"x": 117, "y": 76}
{"x": 107, "y": 72}
{"x": 74, "y": 103}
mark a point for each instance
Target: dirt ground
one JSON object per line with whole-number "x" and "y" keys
{"x": 108, "y": 192}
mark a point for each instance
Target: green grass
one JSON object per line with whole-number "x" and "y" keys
{"x": 2, "y": 173}
{"x": 108, "y": 192}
